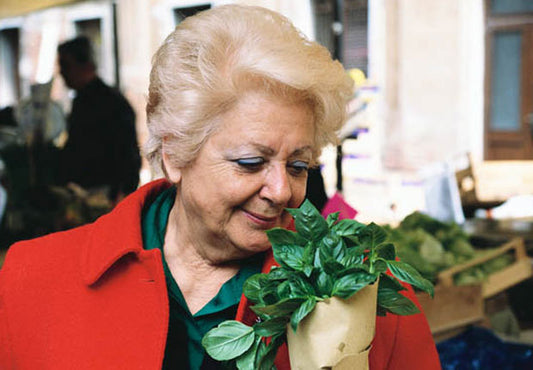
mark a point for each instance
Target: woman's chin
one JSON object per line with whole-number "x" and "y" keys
{"x": 248, "y": 250}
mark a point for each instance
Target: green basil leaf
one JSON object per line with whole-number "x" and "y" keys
{"x": 269, "y": 293}
{"x": 300, "y": 287}
{"x": 302, "y": 312}
{"x": 335, "y": 245}
{"x": 261, "y": 351}
{"x": 324, "y": 254}
{"x": 387, "y": 282}
{"x": 289, "y": 256}
{"x": 358, "y": 269}
{"x": 406, "y": 273}
{"x": 347, "y": 285}
{"x": 396, "y": 303}
{"x": 324, "y": 284}
{"x": 352, "y": 241}
{"x": 246, "y": 361}
{"x": 386, "y": 251}
{"x": 372, "y": 235}
{"x": 278, "y": 273}
{"x": 332, "y": 218}
{"x": 330, "y": 240}
{"x": 266, "y": 357}
{"x": 269, "y": 328}
{"x": 331, "y": 249}
{"x": 309, "y": 254}
{"x": 309, "y": 222}
{"x": 284, "y": 289}
{"x": 308, "y": 270}
{"x": 228, "y": 340}
{"x": 347, "y": 227}
{"x": 333, "y": 267}
{"x": 318, "y": 263}
{"x": 254, "y": 285}
{"x": 280, "y": 236}
{"x": 380, "y": 266}
{"x": 353, "y": 256}
{"x": 284, "y": 307}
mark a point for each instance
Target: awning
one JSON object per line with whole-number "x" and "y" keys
{"x": 13, "y": 8}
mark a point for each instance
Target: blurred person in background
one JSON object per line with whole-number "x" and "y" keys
{"x": 240, "y": 106}
{"x": 101, "y": 152}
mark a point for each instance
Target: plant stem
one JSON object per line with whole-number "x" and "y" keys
{"x": 372, "y": 259}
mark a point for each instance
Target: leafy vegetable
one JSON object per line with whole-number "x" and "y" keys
{"x": 431, "y": 246}
{"x": 229, "y": 340}
{"x": 322, "y": 259}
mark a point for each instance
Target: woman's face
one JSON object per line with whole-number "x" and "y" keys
{"x": 244, "y": 177}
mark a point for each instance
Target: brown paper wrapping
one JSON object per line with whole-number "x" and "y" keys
{"x": 337, "y": 334}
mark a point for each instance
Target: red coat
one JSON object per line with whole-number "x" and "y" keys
{"x": 93, "y": 298}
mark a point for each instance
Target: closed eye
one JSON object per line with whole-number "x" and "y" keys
{"x": 250, "y": 164}
{"x": 297, "y": 168}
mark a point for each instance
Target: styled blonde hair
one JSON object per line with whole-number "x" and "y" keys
{"x": 213, "y": 58}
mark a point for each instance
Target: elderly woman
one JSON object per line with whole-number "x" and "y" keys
{"x": 240, "y": 105}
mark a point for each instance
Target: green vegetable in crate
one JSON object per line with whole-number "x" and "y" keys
{"x": 430, "y": 245}
{"x": 322, "y": 259}
{"x": 480, "y": 273}
{"x": 419, "y": 220}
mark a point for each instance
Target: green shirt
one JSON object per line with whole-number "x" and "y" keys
{"x": 184, "y": 349}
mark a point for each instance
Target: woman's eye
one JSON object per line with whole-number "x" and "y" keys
{"x": 298, "y": 167}
{"x": 250, "y": 163}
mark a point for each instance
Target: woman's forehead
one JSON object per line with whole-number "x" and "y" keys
{"x": 265, "y": 125}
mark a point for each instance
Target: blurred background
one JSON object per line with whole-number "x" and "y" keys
{"x": 436, "y": 81}
{"x": 441, "y": 119}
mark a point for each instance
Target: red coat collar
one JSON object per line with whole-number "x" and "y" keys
{"x": 117, "y": 233}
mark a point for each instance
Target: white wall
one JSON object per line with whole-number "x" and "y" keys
{"x": 427, "y": 60}
{"x": 427, "y": 56}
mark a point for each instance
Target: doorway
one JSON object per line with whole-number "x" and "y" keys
{"x": 509, "y": 80}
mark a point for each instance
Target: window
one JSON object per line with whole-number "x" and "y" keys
{"x": 355, "y": 36}
{"x": 9, "y": 75}
{"x": 352, "y": 47}
{"x": 509, "y": 80}
{"x": 324, "y": 17}
{"x": 499, "y": 7}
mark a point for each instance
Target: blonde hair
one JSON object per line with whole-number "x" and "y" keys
{"x": 213, "y": 58}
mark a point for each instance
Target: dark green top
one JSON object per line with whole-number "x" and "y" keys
{"x": 184, "y": 349}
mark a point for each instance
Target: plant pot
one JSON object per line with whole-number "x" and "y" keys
{"x": 337, "y": 334}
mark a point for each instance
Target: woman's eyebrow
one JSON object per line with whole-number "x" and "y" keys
{"x": 268, "y": 151}
{"x": 303, "y": 150}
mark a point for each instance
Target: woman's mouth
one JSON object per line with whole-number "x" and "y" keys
{"x": 263, "y": 221}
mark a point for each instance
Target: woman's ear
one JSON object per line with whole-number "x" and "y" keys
{"x": 172, "y": 173}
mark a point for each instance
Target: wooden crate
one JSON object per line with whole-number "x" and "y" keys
{"x": 455, "y": 307}
{"x": 498, "y": 281}
{"x": 452, "y": 308}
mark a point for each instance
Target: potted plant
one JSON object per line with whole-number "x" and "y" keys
{"x": 328, "y": 269}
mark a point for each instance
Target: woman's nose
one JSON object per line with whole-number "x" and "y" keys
{"x": 277, "y": 186}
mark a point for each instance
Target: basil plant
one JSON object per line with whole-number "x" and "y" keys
{"x": 324, "y": 258}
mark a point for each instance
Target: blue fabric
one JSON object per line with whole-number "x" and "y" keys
{"x": 478, "y": 348}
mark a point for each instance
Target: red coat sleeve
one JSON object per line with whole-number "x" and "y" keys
{"x": 5, "y": 343}
{"x": 404, "y": 342}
